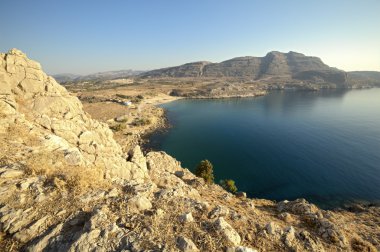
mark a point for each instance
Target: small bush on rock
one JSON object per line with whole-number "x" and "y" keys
{"x": 141, "y": 122}
{"x": 205, "y": 170}
{"x": 229, "y": 185}
{"x": 118, "y": 127}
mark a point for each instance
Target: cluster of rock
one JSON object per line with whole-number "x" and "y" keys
{"x": 142, "y": 216}
{"x": 149, "y": 203}
{"x": 103, "y": 227}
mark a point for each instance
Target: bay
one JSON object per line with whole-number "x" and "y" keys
{"x": 322, "y": 146}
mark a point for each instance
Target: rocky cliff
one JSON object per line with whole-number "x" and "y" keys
{"x": 29, "y": 99}
{"x": 66, "y": 185}
{"x": 288, "y": 66}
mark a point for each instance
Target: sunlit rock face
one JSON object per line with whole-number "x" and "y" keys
{"x": 31, "y": 98}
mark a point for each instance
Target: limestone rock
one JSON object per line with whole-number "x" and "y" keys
{"x": 310, "y": 244}
{"x": 218, "y": 211}
{"x": 43, "y": 243}
{"x": 58, "y": 118}
{"x": 138, "y": 158}
{"x": 290, "y": 236}
{"x": 240, "y": 249}
{"x": 286, "y": 217}
{"x": 73, "y": 156}
{"x": 11, "y": 173}
{"x": 186, "y": 245}
{"x": 138, "y": 204}
{"x": 122, "y": 118}
{"x": 87, "y": 242}
{"x": 26, "y": 183}
{"x": 330, "y": 231}
{"x": 92, "y": 196}
{"x": 113, "y": 193}
{"x": 273, "y": 229}
{"x": 160, "y": 161}
{"x": 32, "y": 231}
{"x": 227, "y": 231}
{"x": 299, "y": 206}
{"x": 44, "y": 121}
{"x": 185, "y": 218}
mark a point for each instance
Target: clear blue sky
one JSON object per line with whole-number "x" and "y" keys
{"x": 89, "y": 35}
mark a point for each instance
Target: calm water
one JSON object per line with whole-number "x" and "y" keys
{"x": 322, "y": 146}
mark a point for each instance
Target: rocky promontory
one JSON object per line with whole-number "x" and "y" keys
{"x": 67, "y": 185}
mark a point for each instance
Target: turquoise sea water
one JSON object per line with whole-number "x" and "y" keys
{"x": 323, "y": 146}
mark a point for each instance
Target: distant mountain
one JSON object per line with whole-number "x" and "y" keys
{"x": 109, "y": 75}
{"x": 290, "y": 65}
{"x": 364, "y": 77}
{"x": 65, "y": 77}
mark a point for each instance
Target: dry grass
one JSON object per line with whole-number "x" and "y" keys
{"x": 22, "y": 132}
{"x": 166, "y": 228}
{"x": 359, "y": 244}
{"x": 74, "y": 179}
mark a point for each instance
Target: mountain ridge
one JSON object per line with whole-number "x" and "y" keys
{"x": 291, "y": 65}
{"x": 106, "y": 75}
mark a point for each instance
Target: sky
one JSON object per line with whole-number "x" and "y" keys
{"x": 88, "y": 36}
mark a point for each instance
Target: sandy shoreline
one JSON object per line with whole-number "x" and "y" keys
{"x": 161, "y": 99}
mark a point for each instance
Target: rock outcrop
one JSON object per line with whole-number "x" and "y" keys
{"x": 35, "y": 101}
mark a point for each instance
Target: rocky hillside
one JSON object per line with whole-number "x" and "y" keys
{"x": 290, "y": 65}
{"x": 370, "y": 78}
{"x": 66, "y": 185}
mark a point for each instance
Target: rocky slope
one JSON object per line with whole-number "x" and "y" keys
{"x": 287, "y": 66}
{"x": 66, "y": 185}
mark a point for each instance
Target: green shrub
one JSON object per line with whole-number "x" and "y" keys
{"x": 140, "y": 121}
{"x": 229, "y": 185}
{"x": 118, "y": 127}
{"x": 205, "y": 170}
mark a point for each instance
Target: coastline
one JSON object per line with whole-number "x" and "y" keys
{"x": 143, "y": 135}
{"x": 163, "y": 125}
